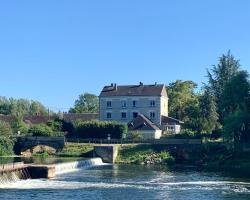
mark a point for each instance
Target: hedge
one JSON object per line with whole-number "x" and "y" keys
{"x": 99, "y": 130}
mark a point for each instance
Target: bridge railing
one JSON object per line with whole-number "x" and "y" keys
{"x": 137, "y": 141}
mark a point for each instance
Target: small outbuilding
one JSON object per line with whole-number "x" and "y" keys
{"x": 146, "y": 128}
{"x": 170, "y": 125}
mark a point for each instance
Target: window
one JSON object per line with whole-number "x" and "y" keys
{"x": 109, "y": 115}
{"x": 124, "y": 115}
{"x": 135, "y": 114}
{"x": 134, "y": 103}
{"x": 152, "y": 103}
{"x": 152, "y": 115}
{"x": 124, "y": 104}
{"x": 109, "y": 105}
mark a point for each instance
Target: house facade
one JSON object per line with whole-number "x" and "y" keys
{"x": 123, "y": 103}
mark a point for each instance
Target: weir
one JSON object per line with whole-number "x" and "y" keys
{"x": 11, "y": 174}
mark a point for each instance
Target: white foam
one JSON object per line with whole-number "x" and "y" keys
{"x": 56, "y": 184}
{"x": 68, "y": 167}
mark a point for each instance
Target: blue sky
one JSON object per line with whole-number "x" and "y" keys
{"x": 54, "y": 50}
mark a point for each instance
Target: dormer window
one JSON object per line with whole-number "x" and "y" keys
{"x": 152, "y": 103}
{"x": 109, "y": 104}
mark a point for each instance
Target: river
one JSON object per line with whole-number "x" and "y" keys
{"x": 127, "y": 182}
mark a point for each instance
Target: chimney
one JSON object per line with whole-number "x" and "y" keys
{"x": 141, "y": 83}
{"x": 115, "y": 86}
{"x": 112, "y": 85}
{"x": 155, "y": 83}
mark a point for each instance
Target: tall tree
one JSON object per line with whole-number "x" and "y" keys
{"x": 181, "y": 96}
{"x": 86, "y": 103}
{"x": 208, "y": 116}
{"x": 21, "y": 107}
{"x": 236, "y": 109}
{"x": 219, "y": 76}
{"x": 184, "y": 103}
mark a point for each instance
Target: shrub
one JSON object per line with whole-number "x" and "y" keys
{"x": 99, "y": 130}
{"x": 134, "y": 135}
{"x": 41, "y": 130}
{"x": 18, "y": 126}
{"x": 5, "y": 129}
{"x": 6, "y": 146}
{"x": 187, "y": 134}
{"x": 56, "y": 125}
{"x": 6, "y": 139}
{"x": 166, "y": 157}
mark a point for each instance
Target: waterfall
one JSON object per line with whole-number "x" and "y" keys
{"x": 82, "y": 164}
{"x": 14, "y": 176}
{"x": 7, "y": 178}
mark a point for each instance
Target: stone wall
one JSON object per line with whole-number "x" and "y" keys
{"x": 107, "y": 153}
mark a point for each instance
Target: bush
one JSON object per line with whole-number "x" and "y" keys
{"x": 5, "y": 129}
{"x": 18, "y": 126}
{"x": 166, "y": 157}
{"x": 188, "y": 134}
{"x": 56, "y": 125}
{"x": 41, "y": 130}
{"x": 6, "y": 139}
{"x": 6, "y": 146}
{"x": 144, "y": 154}
{"x": 134, "y": 135}
{"x": 99, "y": 130}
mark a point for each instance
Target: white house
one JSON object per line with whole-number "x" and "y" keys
{"x": 124, "y": 103}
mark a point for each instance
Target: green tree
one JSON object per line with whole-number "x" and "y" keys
{"x": 5, "y": 129}
{"x": 184, "y": 103}
{"x": 236, "y": 109}
{"x": 6, "y": 139}
{"x": 219, "y": 76}
{"x": 5, "y": 108}
{"x": 19, "y": 127}
{"x": 208, "y": 116}
{"x": 86, "y": 103}
{"x": 41, "y": 130}
{"x": 37, "y": 108}
{"x": 20, "y": 107}
{"x": 181, "y": 95}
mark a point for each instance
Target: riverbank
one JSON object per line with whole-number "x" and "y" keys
{"x": 211, "y": 157}
{"x": 143, "y": 154}
{"x": 208, "y": 157}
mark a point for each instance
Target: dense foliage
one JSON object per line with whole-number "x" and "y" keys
{"x": 99, "y": 129}
{"x": 21, "y": 107}
{"x": 144, "y": 154}
{"x": 19, "y": 127}
{"x": 219, "y": 76}
{"x": 6, "y": 139}
{"x": 44, "y": 130}
{"x": 86, "y": 103}
{"x": 197, "y": 110}
{"x": 222, "y": 106}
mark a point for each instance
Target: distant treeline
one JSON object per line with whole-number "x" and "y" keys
{"x": 20, "y": 107}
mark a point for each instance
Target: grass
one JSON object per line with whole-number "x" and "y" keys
{"x": 143, "y": 154}
{"x": 75, "y": 150}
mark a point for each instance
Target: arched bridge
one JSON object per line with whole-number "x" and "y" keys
{"x": 28, "y": 144}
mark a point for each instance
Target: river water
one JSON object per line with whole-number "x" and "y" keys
{"x": 129, "y": 182}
